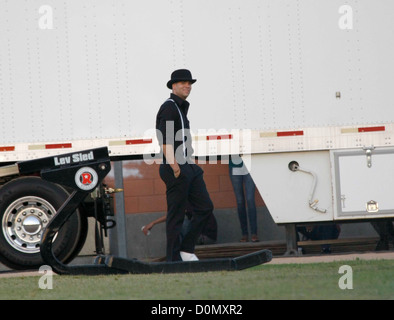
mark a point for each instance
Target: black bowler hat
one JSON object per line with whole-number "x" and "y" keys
{"x": 180, "y": 75}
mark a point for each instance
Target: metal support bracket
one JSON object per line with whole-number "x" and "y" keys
{"x": 291, "y": 240}
{"x": 83, "y": 177}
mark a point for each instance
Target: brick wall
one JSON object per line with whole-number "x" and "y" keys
{"x": 144, "y": 191}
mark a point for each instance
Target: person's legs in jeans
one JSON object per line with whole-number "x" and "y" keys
{"x": 237, "y": 183}
{"x": 250, "y": 189}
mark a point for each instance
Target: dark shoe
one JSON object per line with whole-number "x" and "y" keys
{"x": 255, "y": 238}
{"x": 200, "y": 240}
{"x": 244, "y": 239}
{"x": 326, "y": 250}
{"x": 203, "y": 239}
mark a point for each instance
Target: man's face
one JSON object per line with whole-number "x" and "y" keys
{"x": 182, "y": 89}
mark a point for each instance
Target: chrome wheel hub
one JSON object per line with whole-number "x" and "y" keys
{"x": 24, "y": 221}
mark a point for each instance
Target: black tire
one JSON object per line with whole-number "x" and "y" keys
{"x": 26, "y": 206}
{"x": 82, "y": 239}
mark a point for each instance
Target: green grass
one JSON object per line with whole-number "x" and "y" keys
{"x": 371, "y": 280}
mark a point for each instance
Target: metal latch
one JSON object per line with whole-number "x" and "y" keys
{"x": 368, "y": 152}
{"x": 372, "y": 206}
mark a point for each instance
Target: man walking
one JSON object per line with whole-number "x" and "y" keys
{"x": 183, "y": 178}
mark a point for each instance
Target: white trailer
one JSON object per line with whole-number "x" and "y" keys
{"x": 300, "y": 88}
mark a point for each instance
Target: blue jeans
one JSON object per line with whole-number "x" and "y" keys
{"x": 243, "y": 199}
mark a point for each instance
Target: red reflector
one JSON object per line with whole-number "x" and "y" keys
{"x": 58, "y": 146}
{"x": 372, "y": 129}
{"x": 290, "y": 133}
{"x": 220, "y": 137}
{"x": 2, "y": 149}
{"x": 138, "y": 141}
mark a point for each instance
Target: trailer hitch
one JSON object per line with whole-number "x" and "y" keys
{"x": 83, "y": 175}
{"x": 99, "y": 207}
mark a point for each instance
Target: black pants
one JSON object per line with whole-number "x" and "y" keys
{"x": 188, "y": 188}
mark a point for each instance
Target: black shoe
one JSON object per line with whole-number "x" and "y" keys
{"x": 326, "y": 250}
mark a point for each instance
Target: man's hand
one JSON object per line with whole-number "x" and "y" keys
{"x": 169, "y": 153}
{"x": 177, "y": 172}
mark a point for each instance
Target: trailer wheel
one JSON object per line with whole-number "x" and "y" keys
{"x": 26, "y": 207}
